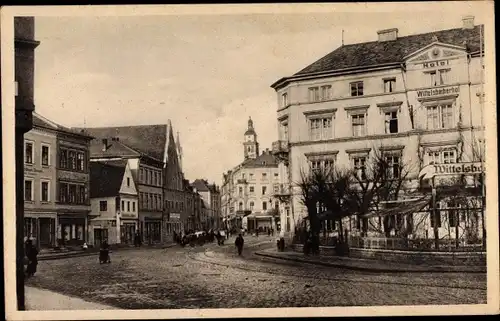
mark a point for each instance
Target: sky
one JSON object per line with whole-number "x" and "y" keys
{"x": 206, "y": 73}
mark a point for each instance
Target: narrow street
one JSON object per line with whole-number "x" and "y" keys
{"x": 215, "y": 277}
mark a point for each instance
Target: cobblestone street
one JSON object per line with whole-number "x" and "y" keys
{"x": 215, "y": 277}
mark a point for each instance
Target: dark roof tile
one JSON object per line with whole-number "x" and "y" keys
{"x": 105, "y": 179}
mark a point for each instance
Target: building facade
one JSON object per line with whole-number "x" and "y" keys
{"x": 152, "y": 157}
{"x": 114, "y": 203}
{"x": 247, "y": 199}
{"x": 210, "y": 201}
{"x": 416, "y": 100}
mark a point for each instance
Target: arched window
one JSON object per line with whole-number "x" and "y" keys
{"x": 240, "y": 206}
{"x": 251, "y": 206}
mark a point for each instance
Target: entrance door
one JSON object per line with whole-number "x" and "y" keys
{"x": 46, "y": 232}
{"x": 100, "y": 235}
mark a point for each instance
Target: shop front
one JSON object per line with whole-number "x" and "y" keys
{"x": 71, "y": 230}
{"x": 41, "y": 228}
{"x": 128, "y": 229}
{"x": 152, "y": 230}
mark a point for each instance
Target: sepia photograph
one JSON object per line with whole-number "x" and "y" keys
{"x": 249, "y": 160}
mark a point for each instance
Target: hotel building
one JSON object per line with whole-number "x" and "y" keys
{"x": 416, "y": 98}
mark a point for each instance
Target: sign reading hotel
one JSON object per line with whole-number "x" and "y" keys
{"x": 438, "y": 92}
{"x": 430, "y": 171}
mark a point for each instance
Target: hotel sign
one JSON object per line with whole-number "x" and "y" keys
{"x": 430, "y": 171}
{"x": 434, "y": 64}
{"x": 438, "y": 92}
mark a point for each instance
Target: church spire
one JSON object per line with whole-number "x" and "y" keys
{"x": 250, "y": 144}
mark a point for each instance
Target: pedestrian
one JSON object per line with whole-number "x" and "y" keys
{"x": 239, "y": 244}
{"x": 31, "y": 253}
{"x": 104, "y": 253}
{"x": 137, "y": 239}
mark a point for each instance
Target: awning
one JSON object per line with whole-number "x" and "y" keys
{"x": 402, "y": 208}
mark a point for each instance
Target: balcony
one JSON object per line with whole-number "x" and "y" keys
{"x": 242, "y": 181}
{"x": 283, "y": 192}
{"x": 280, "y": 147}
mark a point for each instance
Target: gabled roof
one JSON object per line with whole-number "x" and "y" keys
{"x": 106, "y": 179}
{"x": 145, "y": 139}
{"x": 42, "y": 122}
{"x": 375, "y": 53}
{"x": 266, "y": 159}
{"x": 200, "y": 185}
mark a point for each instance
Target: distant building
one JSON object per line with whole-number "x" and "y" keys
{"x": 210, "y": 209}
{"x": 114, "y": 203}
{"x": 414, "y": 99}
{"x": 247, "y": 190}
{"x": 152, "y": 155}
{"x": 56, "y": 184}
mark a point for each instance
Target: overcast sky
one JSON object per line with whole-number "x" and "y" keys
{"x": 206, "y": 73}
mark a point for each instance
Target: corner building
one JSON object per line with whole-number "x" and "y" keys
{"x": 416, "y": 98}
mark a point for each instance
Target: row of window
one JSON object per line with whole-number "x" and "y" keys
{"x": 251, "y": 189}
{"x": 72, "y": 159}
{"x": 263, "y": 176}
{"x": 151, "y": 201}
{"x": 29, "y": 153}
{"x": 72, "y": 193}
{"x": 150, "y": 177}
{"x": 29, "y": 190}
{"x": 393, "y": 161}
{"x": 251, "y": 205}
{"x": 321, "y": 93}
{"x": 103, "y": 206}
{"x": 438, "y": 117}
{"x": 175, "y": 206}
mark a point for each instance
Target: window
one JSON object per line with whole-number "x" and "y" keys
{"x": 251, "y": 175}
{"x": 276, "y": 188}
{"x": 320, "y": 128}
{"x": 356, "y": 88}
{"x": 155, "y": 202}
{"x": 128, "y": 181}
{"x": 441, "y": 157}
{"x": 72, "y": 194}
{"x": 44, "y": 191}
{"x": 133, "y": 206}
{"x": 152, "y": 204}
{"x": 240, "y": 206}
{"x": 72, "y": 159}
{"x": 80, "y": 163}
{"x": 123, "y": 206}
{"x": 103, "y": 206}
{"x": 318, "y": 164}
{"x": 264, "y": 189}
{"x": 264, "y": 175}
{"x": 393, "y": 166}
{"x": 251, "y": 206}
{"x": 389, "y": 85}
{"x": 63, "y": 193}
{"x": 439, "y": 77}
{"x": 28, "y": 190}
{"x": 252, "y": 189}
{"x": 360, "y": 167}
{"x": 128, "y": 206}
{"x": 276, "y": 175}
{"x": 391, "y": 122}
{"x": 243, "y": 175}
{"x": 358, "y": 125}
{"x": 440, "y": 116}
{"x": 284, "y": 131}
{"x": 284, "y": 100}
{"x": 240, "y": 190}
{"x": 326, "y": 92}
{"x": 28, "y": 153}
{"x": 264, "y": 206}
{"x": 45, "y": 155}
{"x": 63, "y": 158}
{"x": 313, "y": 94}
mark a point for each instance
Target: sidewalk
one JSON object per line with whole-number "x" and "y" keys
{"x": 93, "y": 251}
{"x": 38, "y": 299}
{"x": 367, "y": 264}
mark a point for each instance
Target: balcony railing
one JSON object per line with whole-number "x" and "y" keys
{"x": 241, "y": 181}
{"x": 280, "y": 146}
{"x": 282, "y": 190}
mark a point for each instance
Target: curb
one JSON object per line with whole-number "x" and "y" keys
{"x": 82, "y": 254}
{"x": 369, "y": 269}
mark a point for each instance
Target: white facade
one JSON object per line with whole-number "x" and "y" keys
{"x": 425, "y": 109}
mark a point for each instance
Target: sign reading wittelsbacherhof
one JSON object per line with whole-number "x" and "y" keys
{"x": 438, "y": 92}
{"x": 432, "y": 170}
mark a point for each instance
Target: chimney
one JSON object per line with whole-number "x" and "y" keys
{"x": 468, "y": 22}
{"x": 104, "y": 144}
{"x": 387, "y": 35}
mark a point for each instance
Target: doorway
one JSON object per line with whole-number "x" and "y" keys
{"x": 47, "y": 229}
{"x": 100, "y": 234}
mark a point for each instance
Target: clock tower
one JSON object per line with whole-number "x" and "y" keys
{"x": 250, "y": 145}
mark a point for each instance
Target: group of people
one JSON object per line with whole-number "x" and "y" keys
{"x": 31, "y": 253}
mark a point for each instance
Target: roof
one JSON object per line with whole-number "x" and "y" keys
{"x": 379, "y": 53}
{"x": 42, "y": 122}
{"x": 113, "y": 149}
{"x": 403, "y": 208}
{"x": 266, "y": 159}
{"x": 105, "y": 179}
{"x": 200, "y": 185}
{"x": 250, "y": 131}
{"x": 144, "y": 139}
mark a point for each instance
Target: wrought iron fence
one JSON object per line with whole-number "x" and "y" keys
{"x": 405, "y": 244}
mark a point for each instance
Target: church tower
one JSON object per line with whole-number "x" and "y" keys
{"x": 250, "y": 145}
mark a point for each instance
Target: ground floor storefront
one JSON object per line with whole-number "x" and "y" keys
{"x": 41, "y": 228}
{"x": 128, "y": 228}
{"x": 150, "y": 227}
{"x": 259, "y": 223}
{"x": 72, "y": 229}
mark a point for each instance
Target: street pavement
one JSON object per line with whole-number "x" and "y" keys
{"x": 216, "y": 277}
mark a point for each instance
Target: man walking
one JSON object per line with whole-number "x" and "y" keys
{"x": 239, "y": 244}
